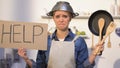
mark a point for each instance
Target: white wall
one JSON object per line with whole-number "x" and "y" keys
{"x": 9, "y": 10}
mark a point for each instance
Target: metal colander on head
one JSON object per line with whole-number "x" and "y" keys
{"x": 62, "y": 5}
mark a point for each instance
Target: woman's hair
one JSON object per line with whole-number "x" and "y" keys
{"x": 71, "y": 15}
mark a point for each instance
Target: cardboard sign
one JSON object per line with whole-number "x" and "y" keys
{"x": 23, "y": 34}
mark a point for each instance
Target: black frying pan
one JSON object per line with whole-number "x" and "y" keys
{"x": 93, "y": 21}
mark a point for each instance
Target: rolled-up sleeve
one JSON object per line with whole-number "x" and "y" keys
{"x": 81, "y": 52}
{"x": 82, "y": 56}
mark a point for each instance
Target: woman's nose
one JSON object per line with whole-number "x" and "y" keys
{"x": 61, "y": 19}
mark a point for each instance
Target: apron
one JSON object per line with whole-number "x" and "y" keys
{"x": 62, "y": 54}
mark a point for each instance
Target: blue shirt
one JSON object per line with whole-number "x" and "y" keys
{"x": 81, "y": 52}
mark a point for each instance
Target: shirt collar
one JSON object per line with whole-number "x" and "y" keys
{"x": 69, "y": 37}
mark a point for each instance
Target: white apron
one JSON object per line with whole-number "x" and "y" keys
{"x": 62, "y": 54}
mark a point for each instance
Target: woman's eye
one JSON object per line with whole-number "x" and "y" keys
{"x": 65, "y": 16}
{"x": 57, "y": 16}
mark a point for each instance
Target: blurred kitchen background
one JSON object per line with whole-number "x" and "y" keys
{"x": 35, "y": 11}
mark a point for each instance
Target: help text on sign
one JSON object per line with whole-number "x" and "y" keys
{"x": 23, "y": 34}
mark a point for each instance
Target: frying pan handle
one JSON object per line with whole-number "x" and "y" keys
{"x": 100, "y": 53}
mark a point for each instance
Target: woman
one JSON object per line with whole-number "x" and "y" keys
{"x": 65, "y": 49}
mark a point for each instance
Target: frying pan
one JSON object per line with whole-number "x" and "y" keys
{"x": 93, "y": 21}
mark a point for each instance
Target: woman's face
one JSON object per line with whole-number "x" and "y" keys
{"x": 62, "y": 19}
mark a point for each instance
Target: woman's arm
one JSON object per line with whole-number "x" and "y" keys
{"x": 81, "y": 53}
{"x": 95, "y": 52}
{"x": 23, "y": 54}
{"x": 90, "y": 62}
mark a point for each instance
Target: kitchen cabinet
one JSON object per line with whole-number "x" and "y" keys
{"x": 79, "y": 17}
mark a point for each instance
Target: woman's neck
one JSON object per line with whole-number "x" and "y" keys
{"x": 62, "y": 34}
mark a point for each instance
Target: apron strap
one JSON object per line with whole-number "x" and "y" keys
{"x": 75, "y": 38}
{"x": 50, "y": 35}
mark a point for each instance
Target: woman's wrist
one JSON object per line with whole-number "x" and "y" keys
{"x": 95, "y": 52}
{"x": 26, "y": 58}
{"x": 92, "y": 57}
